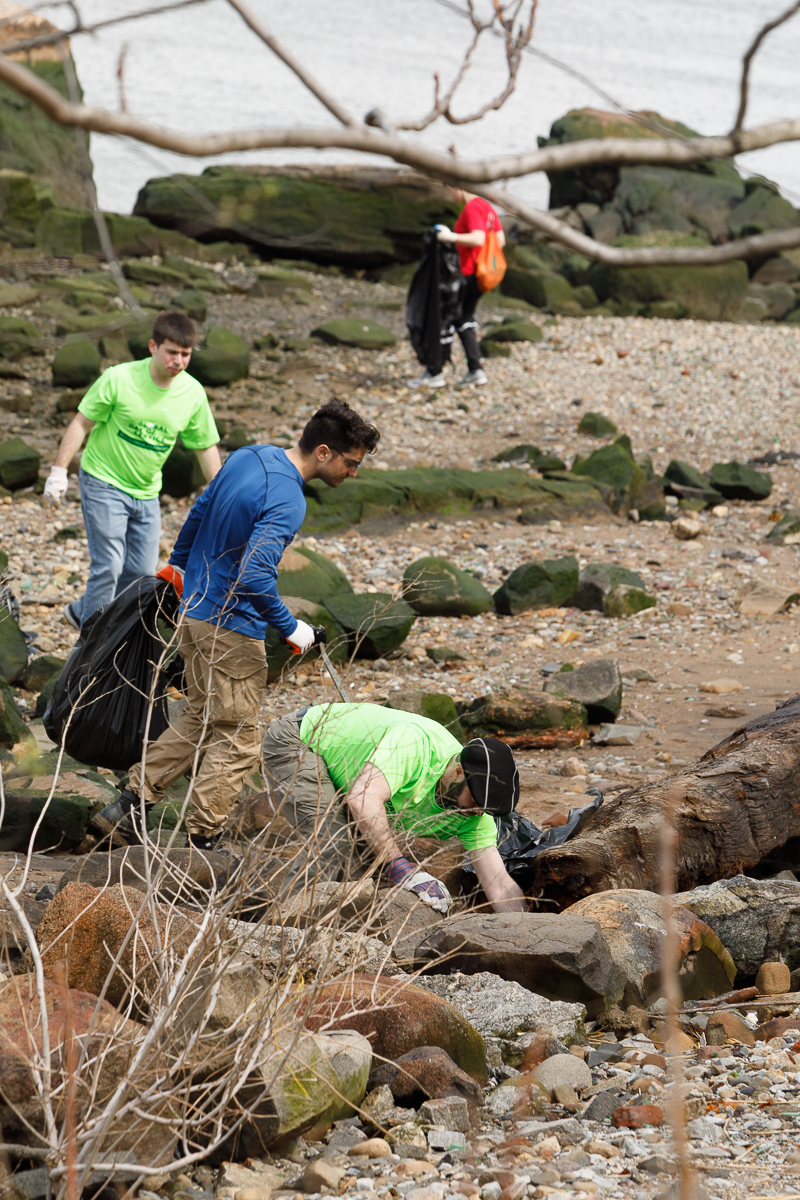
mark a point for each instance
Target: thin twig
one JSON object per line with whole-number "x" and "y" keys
{"x": 62, "y": 35}
{"x": 748, "y": 60}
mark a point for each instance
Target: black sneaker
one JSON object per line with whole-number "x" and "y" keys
{"x": 70, "y": 616}
{"x": 121, "y": 821}
{"x": 207, "y": 842}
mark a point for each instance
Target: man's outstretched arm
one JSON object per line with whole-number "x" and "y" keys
{"x": 499, "y": 888}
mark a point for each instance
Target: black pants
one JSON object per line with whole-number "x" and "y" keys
{"x": 466, "y": 325}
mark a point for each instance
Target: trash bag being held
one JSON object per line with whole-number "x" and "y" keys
{"x": 520, "y": 842}
{"x": 99, "y": 708}
{"x": 433, "y": 302}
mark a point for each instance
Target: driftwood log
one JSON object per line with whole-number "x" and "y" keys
{"x": 735, "y": 806}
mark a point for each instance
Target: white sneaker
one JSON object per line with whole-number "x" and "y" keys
{"x": 427, "y": 380}
{"x": 473, "y": 379}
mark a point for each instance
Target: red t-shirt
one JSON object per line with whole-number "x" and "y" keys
{"x": 476, "y": 214}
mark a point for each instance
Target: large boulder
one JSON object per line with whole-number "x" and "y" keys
{"x": 181, "y": 474}
{"x": 633, "y": 925}
{"x": 597, "y": 685}
{"x": 76, "y": 364}
{"x": 307, "y": 574}
{"x": 374, "y": 622}
{"x": 192, "y": 302}
{"x": 347, "y": 331}
{"x": 436, "y": 706}
{"x": 546, "y": 584}
{"x": 557, "y": 956}
{"x": 624, "y": 481}
{"x": 757, "y": 920}
{"x": 13, "y": 648}
{"x": 80, "y": 1027}
{"x": 279, "y": 653}
{"x": 506, "y": 1014}
{"x": 18, "y": 337}
{"x": 178, "y": 875}
{"x": 223, "y": 358}
{"x": 397, "y": 1017}
{"x": 543, "y": 289}
{"x": 65, "y": 232}
{"x": 597, "y": 580}
{"x": 435, "y": 587}
{"x": 99, "y": 924}
{"x": 709, "y": 293}
{"x": 300, "y": 1081}
{"x": 19, "y": 464}
{"x": 359, "y": 217}
{"x": 762, "y": 209}
{"x": 524, "y": 718}
{"x": 738, "y": 482}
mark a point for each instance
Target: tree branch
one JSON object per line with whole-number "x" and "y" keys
{"x": 260, "y": 30}
{"x": 63, "y": 35}
{"x": 750, "y": 55}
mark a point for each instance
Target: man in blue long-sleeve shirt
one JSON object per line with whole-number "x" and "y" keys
{"x": 225, "y": 563}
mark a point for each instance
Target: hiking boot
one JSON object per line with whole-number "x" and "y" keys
{"x": 121, "y": 821}
{"x": 427, "y": 380}
{"x": 473, "y": 379}
{"x": 208, "y": 842}
{"x": 70, "y": 616}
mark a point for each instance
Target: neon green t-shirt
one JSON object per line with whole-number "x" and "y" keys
{"x": 411, "y": 753}
{"x": 137, "y": 424}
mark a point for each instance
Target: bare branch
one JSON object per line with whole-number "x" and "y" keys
{"x": 643, "y": 256}
{"x": 260, "y": 30}
{"x": 750, "y": 55}
{"x": 62, "y": 35}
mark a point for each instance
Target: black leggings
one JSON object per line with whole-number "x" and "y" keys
{"x": 466, "y": 325}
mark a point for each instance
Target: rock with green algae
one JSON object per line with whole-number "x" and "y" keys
{"x": 545, "y": 584}
{"x": 512, "y": 329}
{"x": 375, "y": 623}
{"x": 625, "y": 600}
{"x": 524, "y": 717}
{"x": 65, "y": 232}
{"x": 435, "y": 587}
{"x": 279, "y": 653}
{"x": 306, "y": 573}
{"x": 436, "y": 706}
{"x": 224, "y": 358}
{"x": 19, "y": 464}
{"x": 13, "y": 729}
{"x": 39, "y": 670}
{"x": 596, "y": 425}
{"x": 348, "y": 331}
{"x": 739, "y": 482}
{"x": 75, "y": 364}
{"x": 181, "y": 474}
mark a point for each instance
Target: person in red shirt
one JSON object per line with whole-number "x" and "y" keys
{"x": 469, "y": 233}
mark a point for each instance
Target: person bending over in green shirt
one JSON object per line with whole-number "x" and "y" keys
{"x": 341, "y": 771}
{"x": 133, "y": 414}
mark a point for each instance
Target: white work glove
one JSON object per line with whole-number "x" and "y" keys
{"x": 302, "y": 638}
{"x": 443, "y": 234}
{"x": 429, "y": 890}
{"x": 55, "y": 489}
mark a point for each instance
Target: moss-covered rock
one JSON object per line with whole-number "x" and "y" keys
{"x": 624, "y": 600}
{"x": 19, "y": 464}
{"x": 596, "y": 424}
{"x": 597, "y": 580}
{"x": 39, "y": 670}
{"x": 615, "y": 468}
{"x": 364, "y": 217}
{"x": 19, "y": 338}
{"x": 683, "y": 480}
{"x": 347, "y": 331}
{"x": 115, "y": 348}
{"x": 13, "y": 648}
{"x": 514, "y": 330}
{"x": 192, "y": 302}
{"x": 375, "y": 623}
{"x": 305, "y": 573}
{"x": 65, "y": 232}
{"x": 279, "y": 653}
{"x": 543, "y": 289}
{"x": 546, "y": 584}
{"x": 13, "y": 729}
{"x": 520, "y": 715}
{"x": 762, "y": 209}
{"x": 224, "y": 358}
{"x": 738, "y": 482}
{"x": 280, "y": 284}
{"x": 710, "y": 293}
{"x": 75, "y": 364}
{"x": 436, "y": 706}
{"x": 435, "y": 587}
{"x": 490, "y": 349}
{"x": 181, "y": 474}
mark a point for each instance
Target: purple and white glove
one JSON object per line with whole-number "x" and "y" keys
{"x": 427, "y": 889}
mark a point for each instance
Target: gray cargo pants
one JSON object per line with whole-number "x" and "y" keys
{"x": 304, "y": 793}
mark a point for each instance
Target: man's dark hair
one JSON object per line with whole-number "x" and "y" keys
{"x": 339, "y": 426}
{"x": 176, "y": 326}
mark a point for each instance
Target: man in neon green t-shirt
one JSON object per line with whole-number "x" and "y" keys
{"x": 133, "y": 414}
{"x": 340, "y": 771}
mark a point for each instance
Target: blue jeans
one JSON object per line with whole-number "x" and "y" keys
{"x": 123, "y": 535}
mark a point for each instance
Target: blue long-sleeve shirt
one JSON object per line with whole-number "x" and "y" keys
{"x": 233, "y": 539}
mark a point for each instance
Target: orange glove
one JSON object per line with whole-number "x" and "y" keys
{"x": 173, "y": 575}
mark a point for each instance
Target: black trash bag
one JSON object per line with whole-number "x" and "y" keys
{"x": 434, "y": 301}
{"x": 100, "y": 702}
{"x": 520, "y": 841}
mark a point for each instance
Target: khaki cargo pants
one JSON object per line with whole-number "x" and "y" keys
{"x": 226, "y": 677}
{"x": 303, "y": 792}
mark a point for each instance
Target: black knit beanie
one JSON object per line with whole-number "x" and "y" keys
{"x": 491, "y": 775}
